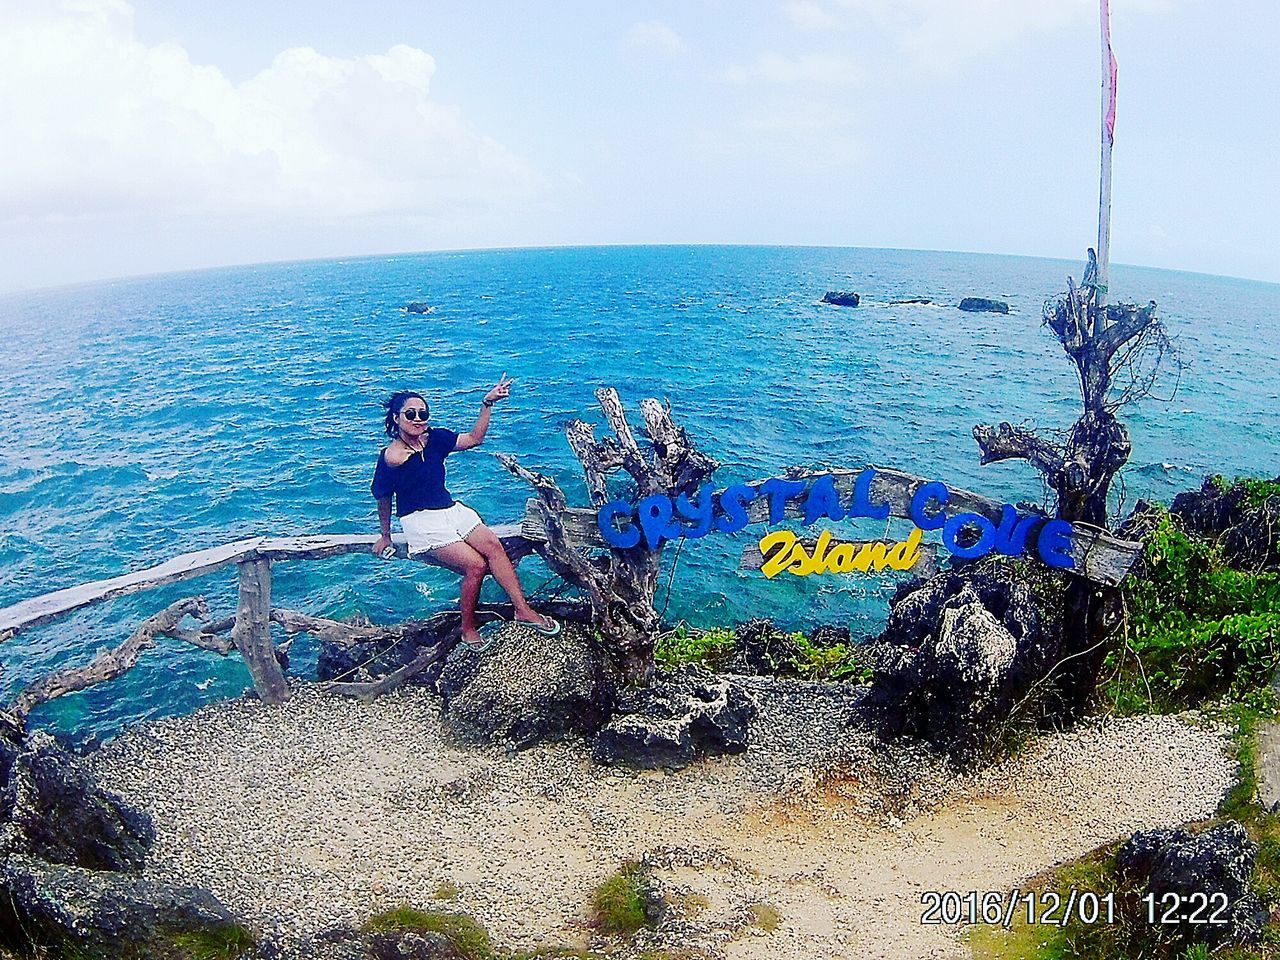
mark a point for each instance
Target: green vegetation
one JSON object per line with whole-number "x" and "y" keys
{"x": 1257, "y": 491}
{"x": 1198, "y": 629}
{"x": 799, "y": 656}
{"x": 1130, "y": 935}
{"x": 447, "y": 890}
{"x": 617, "y": 905}
{"x": 765, "y": 916}
{"x": 464, "y": 934}
{"x": 838, "y": 661}
{"x": 684, "y": 644}
{"x": 227, "y": 942}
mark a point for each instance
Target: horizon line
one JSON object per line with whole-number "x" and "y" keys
{"x": 286, "y": 261}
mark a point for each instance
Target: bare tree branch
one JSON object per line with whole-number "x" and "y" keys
{"x": 1007, "y": 442}
{"x": 1125, "y": 324}
{"x": 367, "y": 691}
{"x": 633, "y": 460}
{"x": 597, "y": 460}
{"x": 109, "y": 662}
{"x": 620, "y": 582}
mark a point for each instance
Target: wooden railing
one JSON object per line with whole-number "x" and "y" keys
{"x": 250, "y": 628}
{"x": 1097, "y": 554}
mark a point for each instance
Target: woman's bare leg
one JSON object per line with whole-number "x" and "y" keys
{"x": 487, "y": 544}
{"x": 473, "y": 566}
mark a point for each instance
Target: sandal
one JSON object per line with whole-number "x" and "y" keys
{"x": 548, "y": 626}
{"x": 484, "y": 644}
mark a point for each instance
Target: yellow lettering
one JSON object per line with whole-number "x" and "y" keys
{"x": 840, "y": 559}
{"x": 818, "y": 562}
{"x": 906, "y": 555}
{"x": 783, "y": 552}
{"x": 879, "y": 551}
{"x": 784, "y": 540}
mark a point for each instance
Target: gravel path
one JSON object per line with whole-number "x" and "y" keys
{"x": 324, "y": 810}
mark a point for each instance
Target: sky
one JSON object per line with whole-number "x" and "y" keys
{"x": 164, "y": 135}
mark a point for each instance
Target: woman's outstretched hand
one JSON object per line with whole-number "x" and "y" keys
{"x": 499, "y": 392}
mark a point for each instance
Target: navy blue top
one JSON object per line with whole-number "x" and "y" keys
{"x": 418, "y": 483}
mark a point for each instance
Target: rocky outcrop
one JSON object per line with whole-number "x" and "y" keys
{"x": 418, "y": 307}
{"x": 966, "y": 653}
{"x": 51, "y": 808}
{"x": 1241, "y": 517}
{"x": 99, "y": 909}
{"x": 680, "y": 716}
{"x": 983, "y": 305}
{"x": 71, "y": 856}
{"x": 1175, "y": 865}
{"x": 527, "y": 689}
{"x": 841, "y": 298}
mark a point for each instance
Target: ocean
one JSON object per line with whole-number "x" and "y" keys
{"x": 149, "y": 417}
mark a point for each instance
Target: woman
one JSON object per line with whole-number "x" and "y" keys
{"x": 411, "y": 468}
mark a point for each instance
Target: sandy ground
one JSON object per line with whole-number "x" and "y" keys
{"x": 323, "y": 811}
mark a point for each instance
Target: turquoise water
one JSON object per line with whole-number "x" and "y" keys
{"x": 145, "y": 418}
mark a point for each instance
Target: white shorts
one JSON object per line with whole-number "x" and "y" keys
{"x": 429, "y": 529}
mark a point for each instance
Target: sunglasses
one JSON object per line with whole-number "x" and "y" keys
{"x": 414, "y": 414}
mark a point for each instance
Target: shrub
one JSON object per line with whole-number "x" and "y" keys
{"x": 618, "y": 904}
{"x": 685, "y": 644}
{"x": 838, "y": 661}
{"x": 466, "y": 936}
{"x": 1197, "y": 628}
{"x": 789, "y": 654}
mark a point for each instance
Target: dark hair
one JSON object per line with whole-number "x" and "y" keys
{"x": 394, "y": 404}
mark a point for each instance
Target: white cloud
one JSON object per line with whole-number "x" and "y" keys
{"x": 809, "y": 15}
{"x": 654, "y": 37}
{"x": 943, "y": 34}
{"x": 813, "y": 69}
{"x": 94, "y": 120}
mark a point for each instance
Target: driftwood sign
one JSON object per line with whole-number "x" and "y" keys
{"x": 1078, "y": 548}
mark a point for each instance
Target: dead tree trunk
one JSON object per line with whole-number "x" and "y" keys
{"x": 620, "y": 583}
{"x": 1107, "y": 344}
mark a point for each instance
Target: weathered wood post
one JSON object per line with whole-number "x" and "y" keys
{"x": 252, "y": 633}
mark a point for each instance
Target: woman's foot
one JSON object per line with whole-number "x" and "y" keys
{"x": 544, "y": 624}
{"x": 474, "y": 641}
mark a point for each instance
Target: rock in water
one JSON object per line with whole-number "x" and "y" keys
{"x": 1218, "y": 861}
{"x": 841, "y": 298}
{"x": 419, "y": 307}
{"x": 527, "y": 689}
{"x": 688, "y": 713}
{"x": 983, "y": 305}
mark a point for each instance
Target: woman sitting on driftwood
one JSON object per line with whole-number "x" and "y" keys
{"x": 450, "y": 533}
